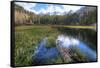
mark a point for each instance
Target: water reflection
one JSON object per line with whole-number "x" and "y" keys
{"x": 67, "y": 43}
{"x": 71, "y": 48}
{"x": 44, "y": 55}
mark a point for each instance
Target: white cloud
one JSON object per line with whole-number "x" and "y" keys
{"x": 59, "y": 10}
{"x": 41, "y": 11}
{"x": 51, "y": 8}
{"x": 73, "y": 8}
{"x": 26, "y": 6}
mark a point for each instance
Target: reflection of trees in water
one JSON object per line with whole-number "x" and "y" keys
{"x": 72, "y": 53}
{"x": 77, "y": 56}
{"x": 86, "y": 35}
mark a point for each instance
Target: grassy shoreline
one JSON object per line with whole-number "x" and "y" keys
{"x": 49, "y": 26}
{"x": 27, "y": 38}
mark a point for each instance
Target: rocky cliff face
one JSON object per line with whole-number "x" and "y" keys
{"x": 23, "y": 16}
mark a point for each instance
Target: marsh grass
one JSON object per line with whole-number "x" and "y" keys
{"x": 27, "y": 39}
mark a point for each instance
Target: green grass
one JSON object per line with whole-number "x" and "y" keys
{"x": 81, "y": 27}
{"x": 27, "y": 39}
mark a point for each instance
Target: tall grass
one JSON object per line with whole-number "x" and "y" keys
{"x": 27, "y": 39}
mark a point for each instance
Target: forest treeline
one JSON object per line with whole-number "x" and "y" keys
{"x": 84, "y": 16}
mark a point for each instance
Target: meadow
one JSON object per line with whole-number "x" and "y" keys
{"x": 37, "y": 35}
{"x": 27, "y": 39}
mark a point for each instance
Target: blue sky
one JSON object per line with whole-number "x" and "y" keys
{"x": 48, "y": 8}
{"x": 38, "y": 7}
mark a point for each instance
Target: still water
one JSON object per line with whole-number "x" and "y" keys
{"x": 82, "y": 43}
{"x": 68, "y": 42}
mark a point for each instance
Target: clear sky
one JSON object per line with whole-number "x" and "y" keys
{"x": 48, "y": 8}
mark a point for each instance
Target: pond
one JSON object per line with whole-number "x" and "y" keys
{"x": 68, "y": 43}
{"x": 73, "y": 45}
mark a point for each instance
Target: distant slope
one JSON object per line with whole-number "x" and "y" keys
{"x": 88, "y": 15}
{"x": 23, "y": 16}
{"x": 86, "y": 9}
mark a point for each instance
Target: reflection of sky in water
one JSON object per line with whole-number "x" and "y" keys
{"x": 66, "y": 42}
{"x": 85, "y": 49}
{"x": 44, "y": 55}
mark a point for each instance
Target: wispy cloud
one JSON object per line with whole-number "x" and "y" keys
{"x": 59, "y": 9}
{"x": 26, "y": 6}
{"x": 71, "y": 7}
{"x": 48, "y": 8}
